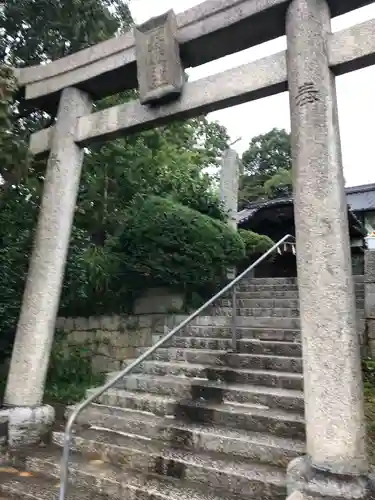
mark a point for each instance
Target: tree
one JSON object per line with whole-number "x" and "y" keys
{"x": 169, "y": 161}
{"x": 267, "y": 155}
{"x": 279, "y": 185}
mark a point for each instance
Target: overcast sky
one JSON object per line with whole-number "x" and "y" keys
{"x": 356, "y": 95}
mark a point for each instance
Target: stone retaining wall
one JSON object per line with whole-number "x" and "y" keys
{"x": 113, "y": 339}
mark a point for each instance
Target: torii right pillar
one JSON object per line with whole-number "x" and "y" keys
{"x": 335, "y": 465}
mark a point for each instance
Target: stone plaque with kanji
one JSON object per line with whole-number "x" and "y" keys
{"x": 159, "y": 67}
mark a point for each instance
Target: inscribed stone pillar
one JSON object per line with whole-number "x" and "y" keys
{"x": 331, "y": 357}
{"x": 31, "y": 352}
{"x": 229, "y": 182}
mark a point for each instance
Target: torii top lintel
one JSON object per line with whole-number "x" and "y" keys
{"x": 208, "y": 31}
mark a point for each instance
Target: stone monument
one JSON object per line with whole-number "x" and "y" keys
{"x": 229, "y": 183}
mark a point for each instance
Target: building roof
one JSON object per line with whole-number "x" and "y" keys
{"x": 254, "y": 208}
{"x": 360, "y": 198}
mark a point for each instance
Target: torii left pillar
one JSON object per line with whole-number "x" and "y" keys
{"x": 28, "y": 418}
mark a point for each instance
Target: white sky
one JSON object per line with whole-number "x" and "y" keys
{"x": 355, "y": 95}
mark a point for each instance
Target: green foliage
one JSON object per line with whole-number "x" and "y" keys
{"x": 279, "y": 185}
{"x": 368, "y": 368}
{"x": 15, "y": 246}
{"x": 70, "y": 372}
{"x": 268, "y": 155}
{"x": 167, "y": 243}
{"x": 41, "y": 30}
{"x": 13, "y": 148}
{"x": 147, "y": 212}
{"x": 168, "y": 161}
{"x": 255, "y": 244}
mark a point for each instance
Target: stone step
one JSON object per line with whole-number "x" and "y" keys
{"x": 206, "y": 343}
{"x": 261, "y": 303}
{"x": 357, "y": 279}
{"x": 253, "y": 285}
{"x": 265, "y": 287}
{"x": 39, "y": 487}
{"x": 271, "y": 347}
{"x": 233, "y": 477}
{"x": 115, "y": 483}
{"x": 266, "y": 294}
{"x": 269, "y": 322}
{"x": 271, "y": 281}
{"x": 224, "y": 358}
{"x": 155, "y": 376}
{"x": 244, "y": 305}
{"x": 271, "y": 334}
{"x": 225, "y": 333}
{"x": 194, "y": 331}
{"x": 243, "y": 321}
{"x": 259, "y": 312}
{"x": 176, "y": 389}
{"x": 258, "y": 447}
{"x": 253, "y": 418}
{"x": 280, "y": 294}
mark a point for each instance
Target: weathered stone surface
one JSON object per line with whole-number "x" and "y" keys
{"x": 101, "y": 364}
{"x": 369, "y": 266}
{"x": 60, "y": 323}
{"x": 68, "y": 324}
{"x": 334, "y": 403}
{"x": 159, "y": 66}
{"x": 370, "y": 298}
{"x": 29, "y": 425}
{"x": 110, "y": 323}
{"x": 159, "y": 301}
{"x": 36, "y": 325}
{"x": 206, "y": 32}
{"x": 255, "y": 80}
{"x": 312, "y": 484}
{"x": 93, "y": 323}
{"x": 229, "y": 182}
{"x": 78, "y": 337}
{"x": 80, "y": 323}
{"x": 371, "y": 329}
{"x": 111, "y": 340}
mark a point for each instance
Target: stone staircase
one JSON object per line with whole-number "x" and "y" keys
{"x": 195, "y": 422}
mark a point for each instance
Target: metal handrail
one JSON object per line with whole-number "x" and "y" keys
{"x": 143, "y": 357}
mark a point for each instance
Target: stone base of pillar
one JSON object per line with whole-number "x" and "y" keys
{"x": 24, "y": 426}
{"x": 307, "y": 483}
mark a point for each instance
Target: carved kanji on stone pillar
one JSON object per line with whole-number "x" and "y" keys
{"x": 159, "y": 67}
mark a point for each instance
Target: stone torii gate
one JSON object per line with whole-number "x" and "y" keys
{"x": 336, "y": 463}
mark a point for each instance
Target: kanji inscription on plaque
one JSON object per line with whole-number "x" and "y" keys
{"x": 159, "y": 67}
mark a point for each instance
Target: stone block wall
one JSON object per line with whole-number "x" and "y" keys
{"x": 113, "y": 339}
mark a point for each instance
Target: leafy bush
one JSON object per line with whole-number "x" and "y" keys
{"x": 70, "y": 372}
{"x": 368, "y": 368}
{"x": 255, "y": 244}
{"x": 167, "y": 243}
